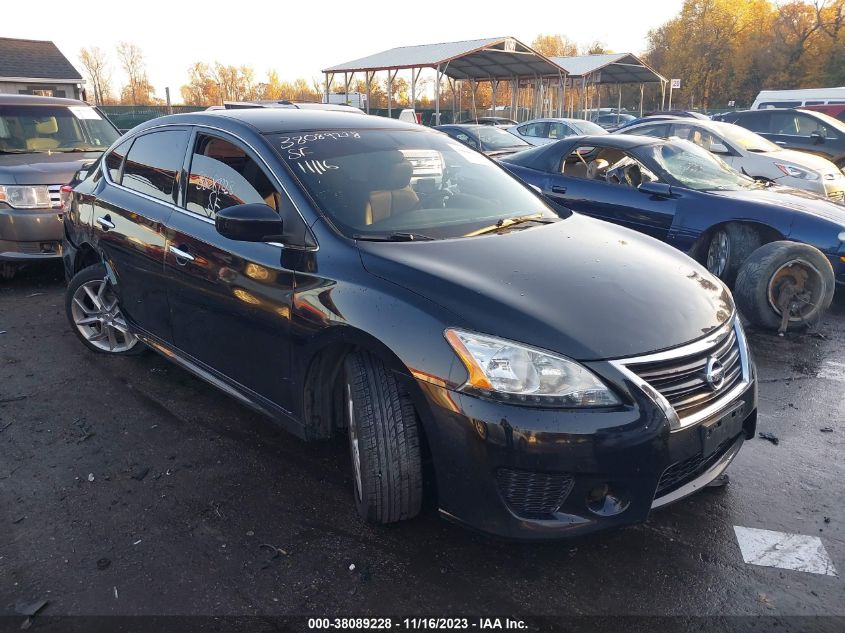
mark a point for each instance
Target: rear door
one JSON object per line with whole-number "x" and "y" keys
{"x": 130, "y": 211}
{"x": 230, "y": 301}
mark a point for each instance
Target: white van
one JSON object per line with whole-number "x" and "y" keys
{"x": 798, "y": 98}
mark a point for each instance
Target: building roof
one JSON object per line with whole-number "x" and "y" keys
{"x": 612, "y": 68}
{"x": 34, "y": 59}
{"x": 491, "y": 58}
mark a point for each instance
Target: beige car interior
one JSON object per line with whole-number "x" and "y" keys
{"x": 236, "y": 159}
{"x": 392, "y": 193}
{"x": 44, "y": 128}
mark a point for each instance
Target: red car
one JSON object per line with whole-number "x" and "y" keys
{"x": 836, "y": 110}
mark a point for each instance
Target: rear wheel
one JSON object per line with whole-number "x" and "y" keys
{"x": 383, "y": 441}
{"x": 93, "y": 312}
{"x": 729, "y": 247}
{"x": 785, "y": 285}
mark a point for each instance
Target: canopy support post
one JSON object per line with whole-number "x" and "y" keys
{"x": 619, "y": 104}
{"x": 329, "y": 80}
{"x": 642, "y": 90}
{"x": 437, "y": 98}
{"x": 369, "y": 77}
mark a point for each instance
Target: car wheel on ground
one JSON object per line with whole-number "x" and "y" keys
{"x": 729, "y": 247}
{"x": 384, "y": 442}
{"x": 95, "y": 316}
{"x": 784, "y": 285}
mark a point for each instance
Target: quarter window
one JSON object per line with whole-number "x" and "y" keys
{"x": 154, "y": 162}
{"x": 223, "y": 175}
{"x": 559, "y": 130}
{"x": 114, "y": 160}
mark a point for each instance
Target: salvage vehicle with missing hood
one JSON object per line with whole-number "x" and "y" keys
{"x": 540, "y": 375}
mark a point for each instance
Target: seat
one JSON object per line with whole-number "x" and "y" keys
{"x": 47, "y": 126}
{"x": 390, "y": 178}
{"x": 597, "y": 168}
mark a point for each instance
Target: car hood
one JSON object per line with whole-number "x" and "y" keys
{"x": 580, "y": 287}
{"x": 798, "y": 200}
{"x": 42, "y": 168}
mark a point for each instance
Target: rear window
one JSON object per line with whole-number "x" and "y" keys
{"x": 153, "y": 164}
{"x": 43, "y": 128}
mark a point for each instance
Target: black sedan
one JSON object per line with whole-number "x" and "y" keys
{"x": 548, "y": 375}
{"x": 784, "y": 248}
{"x": 486, "y": 139}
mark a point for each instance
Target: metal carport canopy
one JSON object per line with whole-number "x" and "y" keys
{"x": 492, "y": 58}
{"x": 615, "y": 68}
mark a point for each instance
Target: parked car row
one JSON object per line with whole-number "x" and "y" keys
{"x": 444, "y": 299}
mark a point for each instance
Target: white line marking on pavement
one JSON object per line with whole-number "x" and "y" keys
{"x": 786, "y": 551}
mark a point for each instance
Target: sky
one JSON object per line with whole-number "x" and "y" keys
{"x": 298, "y": 38}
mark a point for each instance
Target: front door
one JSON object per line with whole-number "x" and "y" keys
{"x": 230, "y": 301}
{"x": 129, "y": 215}
{"x": 602, "y": 183}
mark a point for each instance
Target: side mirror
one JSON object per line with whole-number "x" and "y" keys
{"x": 659, "y": 189}
{"x": 249, "y": 223}
{"x": 719, "y": 148}
{"x": 817, "y": 138}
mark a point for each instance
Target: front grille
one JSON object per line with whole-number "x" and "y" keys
{"x": 681, "y": 380}
{"x": 679, "y": 474}
{"x": 55, "y": 195}
{"x": 532, "y": 494}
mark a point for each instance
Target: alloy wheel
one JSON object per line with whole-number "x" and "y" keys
{"x": 718, "y": 253}
{"x": 98, "y": 318}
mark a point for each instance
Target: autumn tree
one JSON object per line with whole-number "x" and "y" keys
{"x": 554, "y": 46}
{"x": 96, "y": 67}
{"x": 138, "y": 91}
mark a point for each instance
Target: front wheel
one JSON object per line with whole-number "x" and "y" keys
{"x": 785, "y": 284}
{"x": 729, "y": 247}
{"x": 384, "y": 442}
{"x": 95, "y": 316}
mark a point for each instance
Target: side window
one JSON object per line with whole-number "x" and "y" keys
{"x": 223, "y": 175}
{"x": 466, "y": 140}
{"x": 657, "y": 131}
{"x": 154, "y": 162}
{"x": 693, "y": 133}
{"x": 756, "y": 122}
{"x": 779, "y": 104}
{"x": 114, "y": 160}
{"x": 807, "y": 125}
{"x": 534, "y": 129}
{"x": 559, "y": 130}
{"x": 784, "y": 123}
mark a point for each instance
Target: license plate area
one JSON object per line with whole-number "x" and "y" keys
{"x": 716, "y": 432}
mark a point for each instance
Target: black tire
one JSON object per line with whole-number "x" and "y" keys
{"x": 753, "y": 293}
{"x": 93, "y": 273}
{"x": 382, "y": 419}
{"x": 741, "y": 240}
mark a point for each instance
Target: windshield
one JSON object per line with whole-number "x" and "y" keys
{"x": 696, "y": 168}
{"x": 746, "y": 139}
{"x": 494, "y": 138}
{"x": 587, "y": 127}
{"x": 378, "y": 183}
{"x": 37, "y": 128}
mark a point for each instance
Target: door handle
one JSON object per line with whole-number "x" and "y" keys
{"x": 180, "y": 254}
{"x": 780, "y": 142}
{"x": 105, "y": 222}
{"x": 558, "y": 189}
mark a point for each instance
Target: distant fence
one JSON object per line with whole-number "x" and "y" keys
{"x": 127, "y": 117}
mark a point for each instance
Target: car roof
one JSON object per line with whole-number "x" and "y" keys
{"x": 9, "y": 99}
{"x": 270, "y": 120}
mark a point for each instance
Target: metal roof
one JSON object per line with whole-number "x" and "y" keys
{"x": 491, "y": 58}
{"x": 613, "y": 68}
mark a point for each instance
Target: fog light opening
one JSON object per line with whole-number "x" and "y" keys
{"x": 607, "y": 501}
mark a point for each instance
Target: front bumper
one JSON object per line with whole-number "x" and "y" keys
{"x": 838, "y": 264}
{"x": 30, "y": 234}
{"x": 496, "y": 464}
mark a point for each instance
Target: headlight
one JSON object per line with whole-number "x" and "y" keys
{"x": 797, "y": 172}
{"x": 841, "y": 236}
{"x": 521, "y": 374}
{"x": 25, "y": 197}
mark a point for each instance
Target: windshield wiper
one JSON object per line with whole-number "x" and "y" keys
{"x": 505, "y": 223}
{"x": 399, "y": 236}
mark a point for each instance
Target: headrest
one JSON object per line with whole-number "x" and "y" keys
{"x": 596, "y": 166}
{"x": 47, "y": 126}
{"x": 218, "y": 148}
{"x": 390, "y": 171}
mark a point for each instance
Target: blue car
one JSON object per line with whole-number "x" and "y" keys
{"x": 781, "y": 249}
